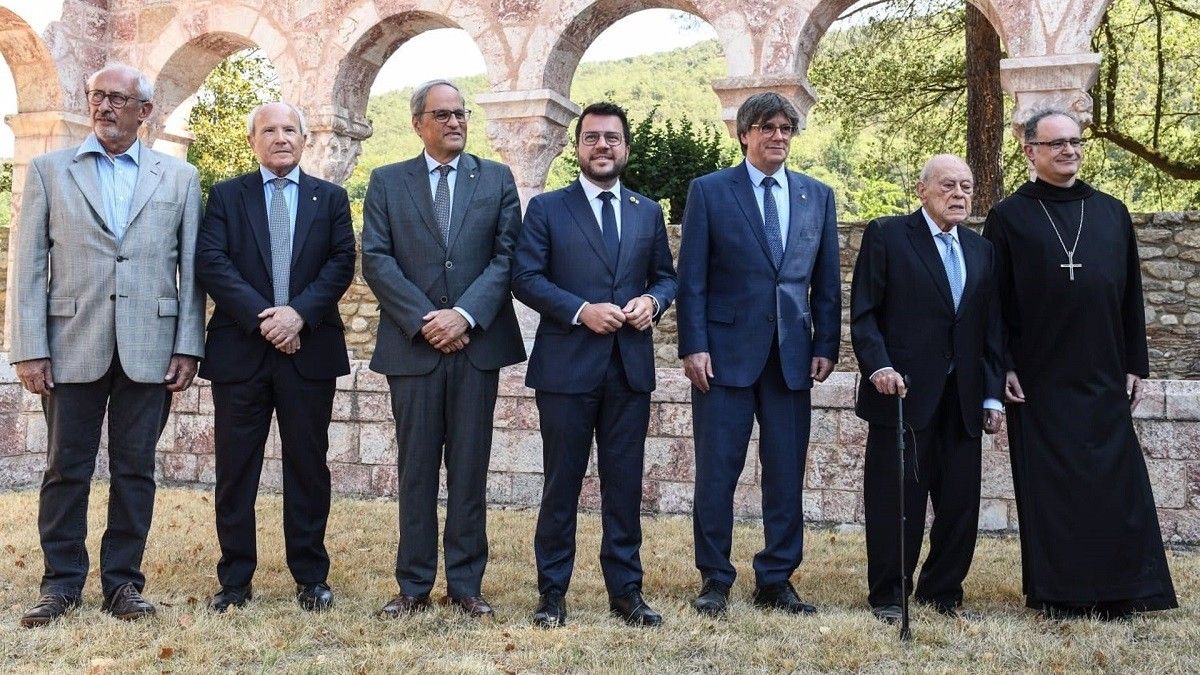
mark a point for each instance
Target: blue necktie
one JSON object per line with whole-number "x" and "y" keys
{"x": 608, "y": 226}
{"x": 953, "y": 271}
{"x": 771, "y": 221}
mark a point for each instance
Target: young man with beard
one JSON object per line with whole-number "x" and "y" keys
{"x": 593, "y": 260}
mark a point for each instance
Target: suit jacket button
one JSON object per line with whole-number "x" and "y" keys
{"x": 948, "y": 355}
{"x": 121, "y": 258}
{"x": 113, "y": 298}
{"x": 770, "y": 317}
{"x": 443, "y": 299}
{"x": 449, "y": 264}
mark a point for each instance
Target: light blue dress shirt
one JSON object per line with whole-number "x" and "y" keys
{"x": 117, "y": 177}
{"x": 451, "y": 180}
{"x": 780, "y": 192}
{"x": 291, "y": 192}
{"x": 934, "y": 231}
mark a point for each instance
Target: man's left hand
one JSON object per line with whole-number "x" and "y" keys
{"x": 443, "y": 327}
{"x": 821, "y": 368}
{"x": 180, "y": 372}
{"x": 639, "y": 312}
{"x": 1133, "y": 387}
{"x": 992, "y": 420}
{"x": 280, "y": 324}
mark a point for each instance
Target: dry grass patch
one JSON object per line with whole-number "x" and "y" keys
{"x": 273, "y": 634}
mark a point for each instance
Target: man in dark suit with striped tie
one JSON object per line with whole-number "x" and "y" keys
{"x": 276, "y": 253}
{"x": 593, "y": 259}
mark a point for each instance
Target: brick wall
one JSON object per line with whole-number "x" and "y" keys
{"x": 362, "y": 453}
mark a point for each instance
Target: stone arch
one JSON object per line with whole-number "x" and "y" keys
{"x": 586, "y": 21}
{"x": 34, "y": 72}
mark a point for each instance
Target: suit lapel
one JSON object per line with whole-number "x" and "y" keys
{"x": 797, "y": 212}
{"x": 149, "y": 173}
{"x": 926, "y": 250}
{"x": 465, "y": 182}
{"x": 255, "y": 203}
{"x": 418, "y": 190}
{"x": 306, "y": 209}
{"x": 973, "y": 259}
{"x": 743, "y": 192}
{"x": 631, "y": 230}
{"x": 581, "y": 211}
{"x": 83, "y": 170}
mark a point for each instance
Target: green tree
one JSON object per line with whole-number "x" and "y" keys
{"x": 218, "y": 120}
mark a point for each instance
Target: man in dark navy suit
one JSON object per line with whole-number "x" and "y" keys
{"x": 276, "y": 253}
{"x": 593, "y": 259}
{"x": 923, "y": 305}
{"x": 759, "y": 321}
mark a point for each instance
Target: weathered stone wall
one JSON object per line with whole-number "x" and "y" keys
{"x": 362, "y": 454}
{"x": 1169, "y": 247}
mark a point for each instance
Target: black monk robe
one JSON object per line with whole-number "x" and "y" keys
{"x": 1089, "y": 530}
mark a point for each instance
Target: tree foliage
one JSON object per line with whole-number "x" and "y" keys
{"x": 218, "y": 119}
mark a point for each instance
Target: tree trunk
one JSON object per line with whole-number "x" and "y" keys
{"x": 985, "y": 111}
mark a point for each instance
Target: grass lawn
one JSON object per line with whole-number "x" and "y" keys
{"x": 273, "y": 634}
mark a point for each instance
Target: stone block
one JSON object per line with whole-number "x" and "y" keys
{"x": 1154, "y": 401}
{"x": 812, "y": 506}
{"x": 12, "y": 434}
{"x": 670, "y": 459}
{"x": 824, "y": 427}
{"x": 272, "y": 476}
{"x": 30, "y": 402}
{"x": 186, "y": 401}
{"x": 343, "y": 405}
{"x": 166, "y": 440}
{"x": 833, "y": 467}
{"x": 343, "y": 442}
{"x": 852, "y": 431}
{"x": 750, "y": 470}
{"x": 1168, "y": 479}
{"x": 840, "y": 506}
{"x": 499, "y": 488}
{"x": 177, "y": 468}
{"x": 385, "y": 480}
{"x": 513, "y": 412}
{"x": 671, "y": 419}
{"x": 526, "y": 489}
{"x": 747, "y": 501}
{"x": 194, "y": 434}
{"x": 993, "y": 515}
{"x": 273, "y": 447}
{"x": 366, "y": 379}
{"x": 373, "y": 407}
{"x": 1183, "y": 399}
{"x": 1192, "y": 470}
{"x": 512, "y": 382}
{"x": 836, "y": 392}
{"x": 36, "y": 440}
{"x": 516, "y": 451}
{"x": 996, "y": 478}
{"x": 206, "y": 469}
{"x": 10, "y": 398}
{"x": 377, "y": 443}
{"x": 589, "y": 494}
{"x": 19, "y": 471}
{"x": 354, "y": 479}
{"x": 675, "y": 497}
{"x": 204, "y": 400}
{"x": 347, "y": 382}
{"x": 650, "y": 495}
{"x": 672, "y": 386}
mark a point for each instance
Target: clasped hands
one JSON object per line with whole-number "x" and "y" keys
{"x": 446, "y": 330}
{"x": 281, "y": 327}
{"x": 605, "y": 317}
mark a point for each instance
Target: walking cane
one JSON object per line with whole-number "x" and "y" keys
{"x": 905, "y": 632}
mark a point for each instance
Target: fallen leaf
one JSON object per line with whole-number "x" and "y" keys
{"x": 825, "y": 630}
{"x": 101, "y": 666}
{"x": 20, "y": 563}
{"x": 166, "y": 653}
{"x": 1100, "y": 659}
{"x": 509, "y": 647}
{"x": 9, "y": 548}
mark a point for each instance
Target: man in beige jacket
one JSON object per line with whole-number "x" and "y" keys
{"x": 106, "y": 315}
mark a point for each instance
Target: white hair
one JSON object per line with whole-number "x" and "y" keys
{"x": 145, "y": 89}
{"x": 927, "y": 170}
{"x": 295, "y": 111}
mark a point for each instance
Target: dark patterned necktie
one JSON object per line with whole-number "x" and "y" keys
{"x": 608, "y": 226}
{"x": 441, "y": 203}
{"x": 280, "y": 223}
{"x": 771, "y": 221}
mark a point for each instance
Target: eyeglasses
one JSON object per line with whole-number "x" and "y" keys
{"x": 443, "y": 116}
{"x": 1060, "y": 144}
{"x": 116, "y": 100}
{"x": 948, "y": 187}
{"x": 769, "y": 130}
{"x": 593, "y": 137}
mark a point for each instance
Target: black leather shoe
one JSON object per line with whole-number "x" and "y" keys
{"x": 782, "y": 596}
{"x": 230, "y": 596}
{"x": 713, "y": 599}
{"x": 314, "y": 597}
{"x": 404, "y": 604}
{"x": 127, "y": 604}
{"x": 634, "y": 610}
{"x": 49, "y": 607}
{"x": 889, "y": 614}
{"x": 551, "y": 611}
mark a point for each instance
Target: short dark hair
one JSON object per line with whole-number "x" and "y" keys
{"x": 604, "y": 109}
{"x": 761, "y": 108}
{"x": 1029, "y": 131}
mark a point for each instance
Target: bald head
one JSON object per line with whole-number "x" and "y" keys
{"x": 945, "y": 188}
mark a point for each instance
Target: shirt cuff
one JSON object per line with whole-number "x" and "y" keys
{"x": 993, "y": 404}
{"x": 653, "y": 301}
{"x": 466, "y": 315}
{"x": 575, "y": 321}
{"x": 872, "y": 377}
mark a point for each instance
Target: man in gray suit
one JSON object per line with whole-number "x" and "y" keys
{"x": 107, "y": 314}
{"x": 438, "y": 236}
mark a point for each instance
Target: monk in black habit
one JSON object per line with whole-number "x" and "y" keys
{"x": 1075, "y": 349}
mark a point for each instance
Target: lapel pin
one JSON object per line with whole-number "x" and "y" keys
{"x": 471, "y": 175}
{"x": 803, "y": 196}
{"x": 633, "y": 200}
{"x": 314, "y": 198}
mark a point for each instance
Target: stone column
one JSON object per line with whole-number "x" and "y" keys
{"x": 529, "y": 129}
{"x": 1059, "y": 81}
{"x": 733, "y": 91}
{"x": 35, "y": 133}
{"x": 335, "y": 137}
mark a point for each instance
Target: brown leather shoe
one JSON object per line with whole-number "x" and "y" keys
{"x": 127, "y": 604}
{"x": 49, "y": 607}
{"x": 474, "y": 606}
{"x": 404, "y": 604}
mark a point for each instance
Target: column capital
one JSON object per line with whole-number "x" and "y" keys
{"x": 335, "y": 136}
{"x": 1054, "y": 81}
{"x": 733, "y": 91}
{"x": 529, "y": 129}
